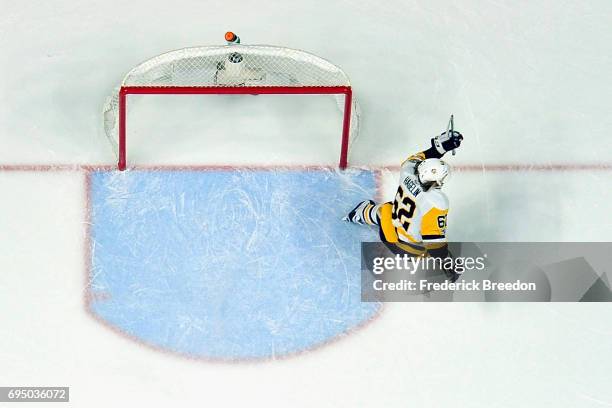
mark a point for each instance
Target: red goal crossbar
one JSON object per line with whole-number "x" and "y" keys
{"x": 237, "y": 90}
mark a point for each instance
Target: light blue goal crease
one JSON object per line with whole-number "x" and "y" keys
{"x": 229, "y": 264}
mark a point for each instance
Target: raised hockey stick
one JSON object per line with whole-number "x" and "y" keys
{"x": 450, "y": 128}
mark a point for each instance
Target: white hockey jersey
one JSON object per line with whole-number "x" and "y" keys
{"x": 419, "y": 216}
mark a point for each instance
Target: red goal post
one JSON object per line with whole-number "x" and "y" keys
{"x": 237, "y": 70}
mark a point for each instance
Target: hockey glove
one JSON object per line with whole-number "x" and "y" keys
{"x": 447, "y": 141}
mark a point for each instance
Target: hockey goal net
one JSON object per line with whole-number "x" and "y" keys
{"x": 233, "y": 69}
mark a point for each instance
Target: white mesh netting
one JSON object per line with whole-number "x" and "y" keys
{"x": 233, "y": 66}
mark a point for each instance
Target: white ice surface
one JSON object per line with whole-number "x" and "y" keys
{"x": 529, "y": 83}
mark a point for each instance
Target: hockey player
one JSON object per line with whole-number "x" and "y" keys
{"x": 415, "y": 221}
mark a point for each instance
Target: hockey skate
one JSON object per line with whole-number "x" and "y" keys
{"x": 356, "y": 214}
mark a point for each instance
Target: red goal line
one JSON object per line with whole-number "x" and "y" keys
{"x": 500, "y": 167}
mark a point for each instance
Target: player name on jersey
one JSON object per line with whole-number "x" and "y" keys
{"x": 412, "y": 186}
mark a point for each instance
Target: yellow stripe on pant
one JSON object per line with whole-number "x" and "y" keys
{"x": 390, "y": 233}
